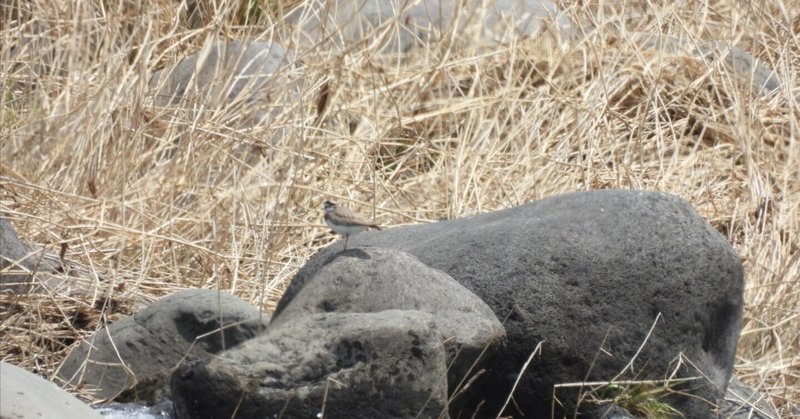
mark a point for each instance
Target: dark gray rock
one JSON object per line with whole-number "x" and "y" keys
{"x": 743, "y": 402}
{"x": 361, "y": 365}
{"x": 372, "y": 280}
{"x": 402, "y": 26}
{"x": 27, "y": 396}
{"x": 137, "y": 354}
{"x": 18, "y": 263}
{"x": 586, "y": 274}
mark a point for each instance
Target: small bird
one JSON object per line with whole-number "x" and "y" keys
{"x": 344, "y": 221}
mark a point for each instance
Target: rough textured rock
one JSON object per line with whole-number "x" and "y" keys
{"x": 17, "y": 261}
{"x": 243, "y": 77}
{"x": 138, "y": 353}
{"x": 361, "y": 365}
{"x": 402, "y": 25}
{"x": 743, "y": 402}
{"x": 27, "y": 396}
{"x": 586, "y": 274}
{"x": 373, "y": 280}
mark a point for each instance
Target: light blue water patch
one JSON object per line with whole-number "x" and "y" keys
{"x": 135, "y": 411}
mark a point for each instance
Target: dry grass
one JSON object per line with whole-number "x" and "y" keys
{"x": 149, "y": 200}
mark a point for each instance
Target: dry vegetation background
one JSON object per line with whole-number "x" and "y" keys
{"x": 146, "y": 201}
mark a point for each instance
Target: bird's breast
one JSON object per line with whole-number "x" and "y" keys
{"x": 345, "y": 230}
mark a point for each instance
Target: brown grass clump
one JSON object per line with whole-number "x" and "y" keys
{"x": 148, "y": 201}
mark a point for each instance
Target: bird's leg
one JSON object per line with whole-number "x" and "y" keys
{"x": 346, "y": 236}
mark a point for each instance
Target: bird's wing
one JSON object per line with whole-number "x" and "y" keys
{"x": 354, "y": 218}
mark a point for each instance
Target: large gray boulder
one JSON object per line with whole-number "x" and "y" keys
{"x": 18, "y": 262}
{"x": 373, "y": 280}
{"x": 246, "y": 79}
{"x": 27, "y": 270}
{"x": 400, "y": 25}
{"x": 371, "y": 315}
{"x": 745, "y": 68}
{"x": 27, "y": 396}
{"x": 137, "y": 354}
{"x": 15, "y": 259}
{"x": 389, "y": 364}
{"x": 587, "y": 275}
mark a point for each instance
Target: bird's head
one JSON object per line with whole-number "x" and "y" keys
{"x": 329, "y": 206}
